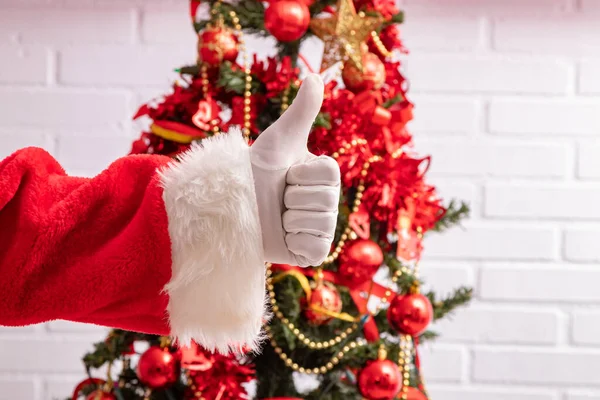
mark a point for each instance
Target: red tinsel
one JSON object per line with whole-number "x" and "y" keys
{"x": 181, "y": 105}
{"x": 390, "y": 38}
{"x": 215, "y": 376}
{"x": 387, "y": 8}
{"x": 396, "y": 84}
{"x": 276, "y": 76}
{"x": 257, "y": 103}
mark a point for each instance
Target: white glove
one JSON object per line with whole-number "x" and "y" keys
{"x": 297, "y": 192}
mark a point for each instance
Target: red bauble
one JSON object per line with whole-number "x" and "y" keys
{"x": 158, "y": 368}
{"x": 324, "y": 297}
{"x": 359, "y": 262}
{"x": 287, "y": 20}
{"x": 380, "y": 380}
{"x": 100, "y": 395}
{"x": 217, "y": 44}
{"x": 410, "y": 314}
{"x": 371, "y": 77}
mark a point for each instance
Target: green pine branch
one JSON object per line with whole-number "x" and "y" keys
{"x": 234, "y": 80}
{"x": 405, "y": 282}
{"x": 428, "y": 336}
{"x": 397, "y": 19}
{"x": 251, "y": 14}
{"x": 393, "y": 101}
{"x": 192, "y": 70}
{"x": 443, "y": 307}
{"x": 455, "y": 212}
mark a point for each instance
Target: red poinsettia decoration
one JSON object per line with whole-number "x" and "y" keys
{"x": 276, "y": 76}
{"x": 215, "y": 376}
{"x": 387, "y": 8}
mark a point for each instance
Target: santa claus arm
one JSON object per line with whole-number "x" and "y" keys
{"x": 149, "y": 245}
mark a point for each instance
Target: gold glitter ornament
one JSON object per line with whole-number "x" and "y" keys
{"x": 344, "y": 33}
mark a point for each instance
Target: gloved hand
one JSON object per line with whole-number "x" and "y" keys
{"x": 297, "y": 192}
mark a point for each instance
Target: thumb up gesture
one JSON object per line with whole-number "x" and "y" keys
{"x": 297, "y": 192}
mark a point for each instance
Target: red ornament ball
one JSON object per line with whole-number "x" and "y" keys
{"x": 287, "y": 20}
{"x": 379, "y": 380}
{"x": 372, "y": 75}
{"x": 410, "y": 314}
{"x": 158, "y": 368}
{"x": 359, "y": 262}
{"x": 100, "y": 395}
{"x": 323, "y": 297}
{"x": 217, "y": 44}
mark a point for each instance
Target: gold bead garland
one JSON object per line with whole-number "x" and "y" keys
{"x": 348, "y": 232}
{"x": 327, "y": 343}
{"x": 285, "y": 99}
{"x": 295, "y": 331}
{"x": 204, "y": 80}
{"x": 290, "y": 363}
{"x": 247, "y": 71}
{"x": 380, "y": 46}
{"x": 403, "y": 361}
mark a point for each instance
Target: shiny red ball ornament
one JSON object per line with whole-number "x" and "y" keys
{"x": 217, "y": 44}
{"x": 379, "y": 380}
{"x": 372, "y": 75}
{"x": 100, "y": 395}
{"x": 158, "y": 368}
{"x": 287, "y": 20}
{"x": 324, "y": 297}
{"x": 410, "y": 314}
{"x": 359, "y": 261}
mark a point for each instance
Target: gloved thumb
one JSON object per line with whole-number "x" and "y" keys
{"x": 285, "y": 142}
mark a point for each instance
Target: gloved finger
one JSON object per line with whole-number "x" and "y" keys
{"x": 308, "y": 249}
{"x": 312, "y": 222}
{"x": 312, "y": 198}
{"x": 285, "y": 142}
{"x": 320, "y": 170}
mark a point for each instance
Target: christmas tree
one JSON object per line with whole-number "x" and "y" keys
{"x": 355, "y": 322}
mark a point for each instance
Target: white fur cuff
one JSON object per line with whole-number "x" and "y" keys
{"x": 217, "y": 288}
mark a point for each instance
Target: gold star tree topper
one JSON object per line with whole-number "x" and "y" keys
{"x": 344, "y": 33}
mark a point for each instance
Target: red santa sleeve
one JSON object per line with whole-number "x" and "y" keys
{"x": 149, "y": 245}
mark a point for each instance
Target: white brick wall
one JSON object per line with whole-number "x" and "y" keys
{"x": 507, "y": 100}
